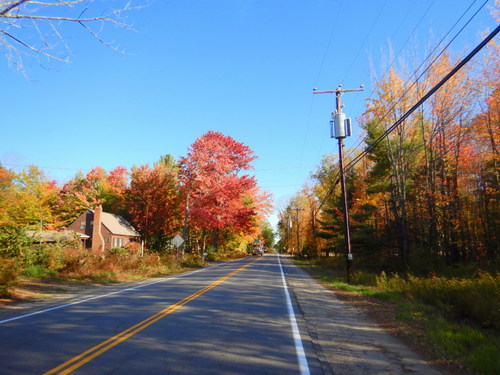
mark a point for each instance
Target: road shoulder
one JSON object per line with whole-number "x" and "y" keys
{"x": 346, "y": 339}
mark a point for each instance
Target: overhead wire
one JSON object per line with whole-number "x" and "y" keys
{"x": 339, "y": 12}
{"x": 396, "y": 32}
{"x": 401, "y": 96}
{"x": 360, "y": 137}
{"x": 375, "y": 21}
{"x": 360, "y": 156}
{"x": 327, "y": 49}
{"x": 364, "y": 41}
{"x": 445, "y": 79}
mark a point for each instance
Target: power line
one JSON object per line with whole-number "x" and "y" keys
{"x": 431, "y": 92}
{"x": 335, "y": 23}
{"x": 360, "y": 156}
{"x": 282, "y": 168}
{"x": 308, "y": 122}
{"x": 364, "y": 41}
{"x": 83, "y": 169}
{"x": 360, "y": 141}
{"x": 401, "y": 96}
{"x": 33, "y": 165}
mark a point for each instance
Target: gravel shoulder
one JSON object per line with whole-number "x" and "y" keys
{"x": 352, "y": 336}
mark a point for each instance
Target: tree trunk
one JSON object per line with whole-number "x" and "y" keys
{"x": 215, "y": 239}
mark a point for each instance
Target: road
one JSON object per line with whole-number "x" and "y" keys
{"x": 232, "y": 318}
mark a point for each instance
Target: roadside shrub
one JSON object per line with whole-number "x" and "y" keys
{"x": 38, "y": 271}
{"x": 13, "y": 240}
{"x": 120, "y": 251}
{"x": 476, "y": 299}
{"x": 8, "y": 276}
{"x": 50, "y": 256}
{"x": 56, "y": 254}
{"x": 222, "y": 254}
{"x": 192, "y": 260}
{"x": 167, "y": 261}
{"x": 35, "y": 256}
{"x": 392, "y": 283}
{"x": 363, "y": 278}
{"x": 72, "y": 259}
{"x": 330, "y": 262}
{"x": 102, "y": 277}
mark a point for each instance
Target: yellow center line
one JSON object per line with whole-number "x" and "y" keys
{"x": 88, "y": 355}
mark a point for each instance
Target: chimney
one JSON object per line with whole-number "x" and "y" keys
{"x": 97, "y": 238}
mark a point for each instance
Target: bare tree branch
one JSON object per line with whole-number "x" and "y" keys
{"x": 11, "y": 5}
{"x": 46, "y": 18}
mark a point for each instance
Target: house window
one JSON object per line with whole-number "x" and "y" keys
{"x": 117, "y": 242}
{"x": 82, "y": 224}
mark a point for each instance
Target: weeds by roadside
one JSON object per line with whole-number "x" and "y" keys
{"x": 8, "y": 275}
{"x": 63, "y": 261}
{"x": 453, "y": 318}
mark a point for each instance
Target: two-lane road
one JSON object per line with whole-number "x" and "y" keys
{"x": 233, "y": 318}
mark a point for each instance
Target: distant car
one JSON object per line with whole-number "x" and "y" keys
{"x": 257, "y": 248}
{"x": 256, "y": 251}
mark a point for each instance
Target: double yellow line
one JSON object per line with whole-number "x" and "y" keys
{"x": 81, "y": 359}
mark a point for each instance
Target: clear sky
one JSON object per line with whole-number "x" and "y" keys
{"x": 245, "y": 68}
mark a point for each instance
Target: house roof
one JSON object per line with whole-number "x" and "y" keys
{"x": 54, "y": 235}
{"x": 118, "y": 225}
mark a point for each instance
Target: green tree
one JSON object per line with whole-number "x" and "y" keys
{"x": 267, "y": 233}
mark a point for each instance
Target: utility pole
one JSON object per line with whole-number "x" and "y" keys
{"x": 341, "y": 128}
{"x": 296, "y": 209}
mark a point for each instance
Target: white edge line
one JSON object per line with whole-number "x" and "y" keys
{"x": 299, "y": 348}
{"x": 109, "y": 294}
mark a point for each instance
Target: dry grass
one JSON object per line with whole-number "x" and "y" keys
{"x": 66, "y": 267}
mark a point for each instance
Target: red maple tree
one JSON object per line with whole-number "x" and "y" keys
{"x": 216, "y": 196}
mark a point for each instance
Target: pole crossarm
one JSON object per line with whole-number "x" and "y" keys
{"x": 337, "y": 91}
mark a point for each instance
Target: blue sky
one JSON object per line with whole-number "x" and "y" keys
{"x": 245, "y": 68}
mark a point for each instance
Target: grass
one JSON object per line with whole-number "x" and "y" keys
{"x": 38, "y": 271}
{"x": 455, "y": 319}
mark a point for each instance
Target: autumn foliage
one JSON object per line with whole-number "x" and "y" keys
{"x": 206, "y": 189}
{"x": 153, "y": 202}
{"x": 217, "y": 198}
{"x": 426, "y": 196}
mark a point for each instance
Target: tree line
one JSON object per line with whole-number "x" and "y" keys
{"x": 205, "y": 196}
{"x": 427, "y": 194}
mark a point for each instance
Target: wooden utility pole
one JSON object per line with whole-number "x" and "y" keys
{"x": 340, "y": 129}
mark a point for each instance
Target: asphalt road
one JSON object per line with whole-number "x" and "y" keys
{"x": 232, "y": 318}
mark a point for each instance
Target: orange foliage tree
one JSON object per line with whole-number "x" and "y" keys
{"x": 216, "y": 197}
{"x": 153, "y": 202}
